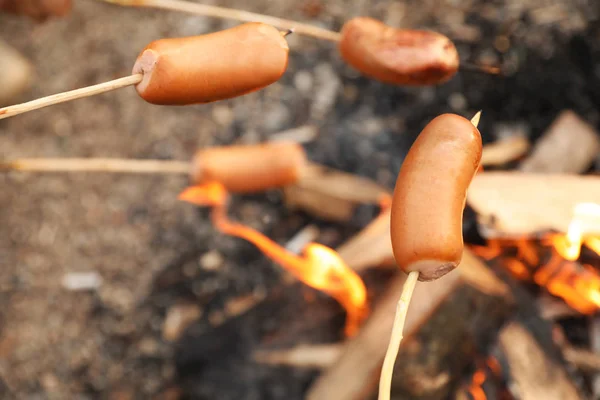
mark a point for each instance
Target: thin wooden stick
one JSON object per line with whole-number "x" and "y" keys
{"x": 97, "y": 165}
{"x": 230, "y": 13}
{"x": 385, "y": 380}
{"x": 486, "y": 69}
{"x": 17, "y": 109}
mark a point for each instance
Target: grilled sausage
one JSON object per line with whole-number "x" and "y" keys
{"x": 398, "y": 56}
{"x": 212, "y": 67}
{"x": 430, "y": 197}
{"x": 251, "y": 168}
{"x": 39, "y": 10}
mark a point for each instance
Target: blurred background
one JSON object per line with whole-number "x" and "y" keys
{"x": 147, "y": 255}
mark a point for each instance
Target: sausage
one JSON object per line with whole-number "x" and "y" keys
{"x": 39, "y": 10}
{"x": 211, "y": 67}
{"x": 250, "y": 168}
{"x": 398, "y": 56}
{"x": 430, "y": 197}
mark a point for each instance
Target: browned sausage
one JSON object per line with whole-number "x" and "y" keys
{"x": 211, "y": 67}
{"x": 430, "y": 196}
{"x": 398, "y": 56}
{"x": 37, "y": 9}
{"x": 252, "y": 168}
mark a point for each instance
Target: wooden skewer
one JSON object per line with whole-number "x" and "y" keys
{"x": 385, "y": 380}
{"x": 486, "y": 69}
{"x": 229, "y": 13}
{"x": 134, "y": 79}
{"x": 246, "y": 16}
{"x": 17, "y": 109}
{"x": 97, "y": 165}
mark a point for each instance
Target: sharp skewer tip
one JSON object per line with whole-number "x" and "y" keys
{"x": 485, "y": 69}
{"x": 476, "y": 118}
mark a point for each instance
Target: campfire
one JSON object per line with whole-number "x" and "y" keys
{"x": 562, "y": 266}
{"x": 494, "y": 328}
{"x": 516, "y": 319}
{"x": 487, "y": 307}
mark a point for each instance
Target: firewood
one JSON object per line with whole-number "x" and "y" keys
{"x": 570, "y": 145}
{"x": 332, "y": 194}
{"x": 375, "y": 237}
{"x": 504, "y": 151}
{"x": 582, "y": 358}
{"x": 522, "y": 204}
{"x": 318, "y": 356}
{"x": 427, "y": 358}
{"x": 533, "y": 371}
{"x": 309, "y": 233}
{"x": 513, "y": 203}
{"x": 301, "y": 134}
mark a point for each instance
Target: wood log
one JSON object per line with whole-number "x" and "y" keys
{"x": 582, "y": 358}
{"x": 371, "y": 247}
{"x": 332, "y": 194}
{"x": 569, "y": 146}
{"x": 428, "y": 364}
{"x": 515, "y": 204}
{"x": 534, "y": 373}
{"x": 319, "y": 356}
{"x": 522, "y": 204}
{"x": 302, "y": 134}
{"x": 504, "y": 151}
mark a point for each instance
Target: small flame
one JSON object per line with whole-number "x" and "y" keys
{"x": 320, "y": 267}
{"x": 490, "y": 369}
{"x": 583, "y": 229}
{"x": 476, "y": 387}
{"x": 578, "y": 285}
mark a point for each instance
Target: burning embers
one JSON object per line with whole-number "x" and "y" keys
{"x": 487, "y": 371}
{"x": 553, "y": 261}
{"x": 320, "y": 267}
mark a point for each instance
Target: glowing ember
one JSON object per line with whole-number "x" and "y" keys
{"x": 578, "y": 285}
{"x": 320, "y": 267}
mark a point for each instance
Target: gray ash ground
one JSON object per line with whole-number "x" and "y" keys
{"x": 154, "y": 252}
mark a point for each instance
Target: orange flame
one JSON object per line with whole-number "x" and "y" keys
{"x": 476, "y": 387}
{"x": 578, "y": 285}
{"x": 320, "y": 267}
{"x": 491, "y": 368}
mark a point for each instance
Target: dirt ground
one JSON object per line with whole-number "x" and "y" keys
{"x": 154, "y": 252}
